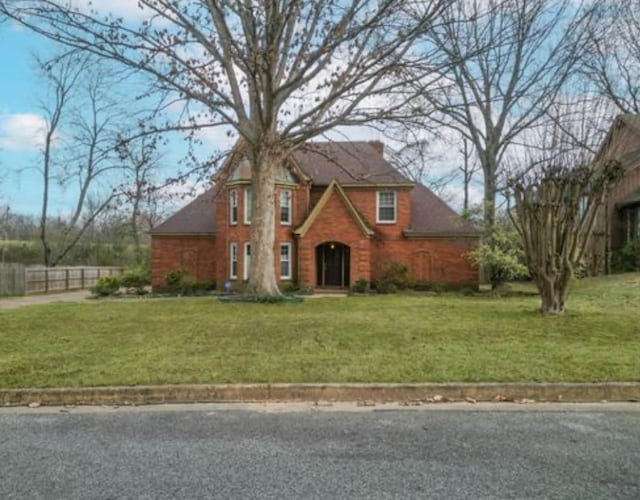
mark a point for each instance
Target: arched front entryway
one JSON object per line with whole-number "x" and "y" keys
{"x": 332, "y": 265}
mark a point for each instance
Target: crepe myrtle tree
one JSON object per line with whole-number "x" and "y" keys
{"x": 276, "y": 72}
{"x": 555, "y": 210}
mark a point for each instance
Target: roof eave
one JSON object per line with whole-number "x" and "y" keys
{"x": 173, "y": 234}
{"x": 441, "y": 235}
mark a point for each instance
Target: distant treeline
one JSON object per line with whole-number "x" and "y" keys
{"x": 106, "y": 242}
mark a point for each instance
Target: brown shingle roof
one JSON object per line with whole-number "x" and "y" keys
{"x": 355, "y": 163}
{"x": 198, "y": 217}
{"x": 432, "y": 216}
{"x": 348, "y": 163}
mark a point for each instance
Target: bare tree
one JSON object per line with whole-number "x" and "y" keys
{"x": 613, "y": 62}
{"x": 555, "y": 210}
{"x": 79, "y": 145}
{"x": 277, "y": 72}
{"x": 507, "y": 62}
{"x": 468, "y": 169}
{"x": 140, "y": 192}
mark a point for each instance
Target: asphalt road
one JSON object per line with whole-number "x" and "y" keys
{"x": 213, "y": 451}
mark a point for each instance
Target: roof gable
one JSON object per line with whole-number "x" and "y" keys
{"x": 334, "y": 187}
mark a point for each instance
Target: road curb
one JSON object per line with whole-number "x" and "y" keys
{"x": 367, "y": 393}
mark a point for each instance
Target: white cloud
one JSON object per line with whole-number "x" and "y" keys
{"x": 22, "y": 131}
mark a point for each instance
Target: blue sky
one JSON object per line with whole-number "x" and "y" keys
{"x": 19, "y": 118}
{"x": 22, "y": 92}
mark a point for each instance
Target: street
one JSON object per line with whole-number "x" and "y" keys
{"x": 301, "y": 451}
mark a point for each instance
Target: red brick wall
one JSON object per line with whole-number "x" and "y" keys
{"x": 433, "y": 260}
{"x": 195, "y": 254}
{"x": 336, "y": 224}
{"x": 240, "y": 233}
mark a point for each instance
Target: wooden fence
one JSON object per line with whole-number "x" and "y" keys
{"x": 16, "y": 279}
{"x": 12, "y": 279}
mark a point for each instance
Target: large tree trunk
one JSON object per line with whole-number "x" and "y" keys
{"x": 262, "y": 275}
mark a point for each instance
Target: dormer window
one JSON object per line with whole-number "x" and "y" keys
{"x": 247, "y": 205}
{"x": 285, "y": 206}
{"x": 233, "y": 206}
{"x": 386, "y": 207}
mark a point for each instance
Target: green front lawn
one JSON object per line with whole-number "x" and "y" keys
{"x": 405, "y": 338}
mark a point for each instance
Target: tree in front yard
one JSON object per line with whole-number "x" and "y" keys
{"x": 276, "y": 73}
{"x": 555, "y": 210}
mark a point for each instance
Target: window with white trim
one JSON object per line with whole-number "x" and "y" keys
{"x": 247, "y": 205}
{"x": 233, "y": 260}
{"x": 233, "y": 206}
{"x": 285, "y": 261}
{"x": 386, "y": 207}
{"x": 247, "y": 260}
{"x": 285, "y": 206}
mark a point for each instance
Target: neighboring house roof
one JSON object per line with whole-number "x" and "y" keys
{"x": 632, "y": 121}
{"x": 348, "y": 163}
{"x": 432, "y": 216}
{"x": 197, "y": 218}
{"x": 628, "y": 157}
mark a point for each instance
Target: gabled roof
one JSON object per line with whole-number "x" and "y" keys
{"x": 629, "y": 157}
{"x": 349, "y": 163}
{"x": 430, "y": 216}
{"x": 197, "y": 218}
{"x": 338, "y": 164}
{"x": 334, "y": 186}
{"x": 632, "y": 121}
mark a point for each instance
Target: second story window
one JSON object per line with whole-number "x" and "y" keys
{"x": 247, "y": 205}
{"x": 285, "y": 206}
{"x": 386, "y": 207}
{"x": 233, "y": 206}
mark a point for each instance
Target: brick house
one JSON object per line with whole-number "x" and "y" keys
{"x": 619, "y": 221}
{"x": 343, "y": 212}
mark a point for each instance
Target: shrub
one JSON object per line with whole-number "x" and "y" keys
{"x": 106, "y": 285}
{"x": 394, "y": 276}
{"x": 174, "y": 278}
{"x": 628, "y": 257}
{"x": 360, "y": 286}
{"x": 290, "y": 288}
{"x": 135, "y": 280}
{"x": 501, "y": 254}
{"x": 181, "y": 282}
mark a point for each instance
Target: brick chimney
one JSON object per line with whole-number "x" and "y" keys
{"x": 378, "y": 146}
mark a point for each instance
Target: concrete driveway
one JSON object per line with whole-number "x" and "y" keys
{"x": 16, "y": 302}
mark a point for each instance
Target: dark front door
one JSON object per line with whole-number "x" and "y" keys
{"x": 332, "y": 264}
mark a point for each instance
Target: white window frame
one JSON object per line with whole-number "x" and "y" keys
{"x": 233, "y": 204}
{"x": 288, "y": 246}
{"x": 247, "y": 260}
{"x": 379, "y": 206}
{"x": 286, "y": 194}
{"x": 248, "y": 206}
{"x": 233, "y": 259}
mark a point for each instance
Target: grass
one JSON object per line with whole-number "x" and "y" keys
{"x": 405, "y": 338}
